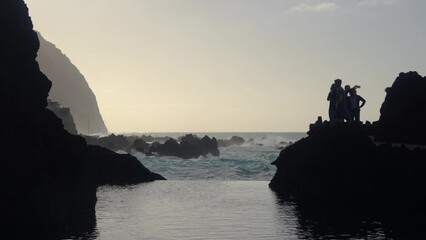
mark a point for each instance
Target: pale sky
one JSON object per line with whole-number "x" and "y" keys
{"x": 232, "y": 65}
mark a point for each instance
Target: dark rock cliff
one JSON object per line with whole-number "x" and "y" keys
{"x": 48, "y": 185}
{"x": 403, "y": 113}
{"x": 70, "y": 88}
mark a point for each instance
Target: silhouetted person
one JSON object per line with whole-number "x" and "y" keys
{"x": 341, "y": 112}
{"x": 348, "y": 89}
{"x": 355, "y": 101}
{"x": 332, "y": 103}
{"x": 347, "y": 102}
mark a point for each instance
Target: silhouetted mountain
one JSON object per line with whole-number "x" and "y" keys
{"x": 70, "y": 89}
{"x": 48, "y": 176}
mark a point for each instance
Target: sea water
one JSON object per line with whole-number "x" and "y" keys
{"x": 225, "y": 197}
{"x": 249, "y": 161}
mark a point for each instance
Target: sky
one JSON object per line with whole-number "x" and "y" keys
{"x": 232, "y": 65}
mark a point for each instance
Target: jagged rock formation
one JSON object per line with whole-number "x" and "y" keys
{"x": 70, "y": 88}
{"x": 64, "y": 114}
{"x": 188, "y": 146}
{"x": 48, "y": 181}
{"x": 341, "y": 163}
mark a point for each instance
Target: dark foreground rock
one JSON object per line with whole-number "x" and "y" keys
{"x": 341, "y": 163}
{"x": 48, "y": 183}
{"x": 403, "y": 113}
{"x": 116, "y": 169}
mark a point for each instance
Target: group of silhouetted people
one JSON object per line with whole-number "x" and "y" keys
{"x": 345, "y": 104}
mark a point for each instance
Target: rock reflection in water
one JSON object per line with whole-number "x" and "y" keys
{"x": 339, "y": 221}
{"x": 82, "y": 227}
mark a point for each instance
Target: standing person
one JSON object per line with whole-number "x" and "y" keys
{"x": 332, "y": 105}
{"x": 348, "y": 89}
{"x": 341, "y": 111}
{"x": 355, "y": 101}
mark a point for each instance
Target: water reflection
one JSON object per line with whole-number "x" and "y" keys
{"x": 340, "y": 221}
{"x": 81, "y": 227}
{"x": 331, "y": 221}
{"x": 233, "y": 210}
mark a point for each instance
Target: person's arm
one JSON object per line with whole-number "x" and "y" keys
{"x": 352, "y": 88}
{"x": 362, "y": 101}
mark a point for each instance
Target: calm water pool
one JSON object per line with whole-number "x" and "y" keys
{"x": 217, "y": 210}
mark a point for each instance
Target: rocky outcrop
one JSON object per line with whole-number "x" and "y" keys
{"x": 112, "y": 142}
{"x": 48, "y": 181}
{"x": 403, "y": 113}
{"x": 341, "y": 163}
{"x": 111, "y": 168}
{"x": 70, "y": 88}
{"x": 140, "y": 145}
{"x": 235, "y": 140}
{"x": 64, "y": 114}
{"x": 190, "y": 146}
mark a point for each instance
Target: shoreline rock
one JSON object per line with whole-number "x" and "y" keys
{"x": 341, "y": 162}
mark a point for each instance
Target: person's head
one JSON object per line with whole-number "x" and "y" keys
{"x": 338, "y": 82}
{"x": 347, "y": 87}
{"x": 353, "y": 92}
{"x": 332, "y": 87}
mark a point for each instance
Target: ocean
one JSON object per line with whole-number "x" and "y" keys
{"x": 250, "y": 161}
{"x": 225, "y": 197}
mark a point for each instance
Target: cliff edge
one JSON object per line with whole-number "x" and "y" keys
{"x": 70, "y": 88}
